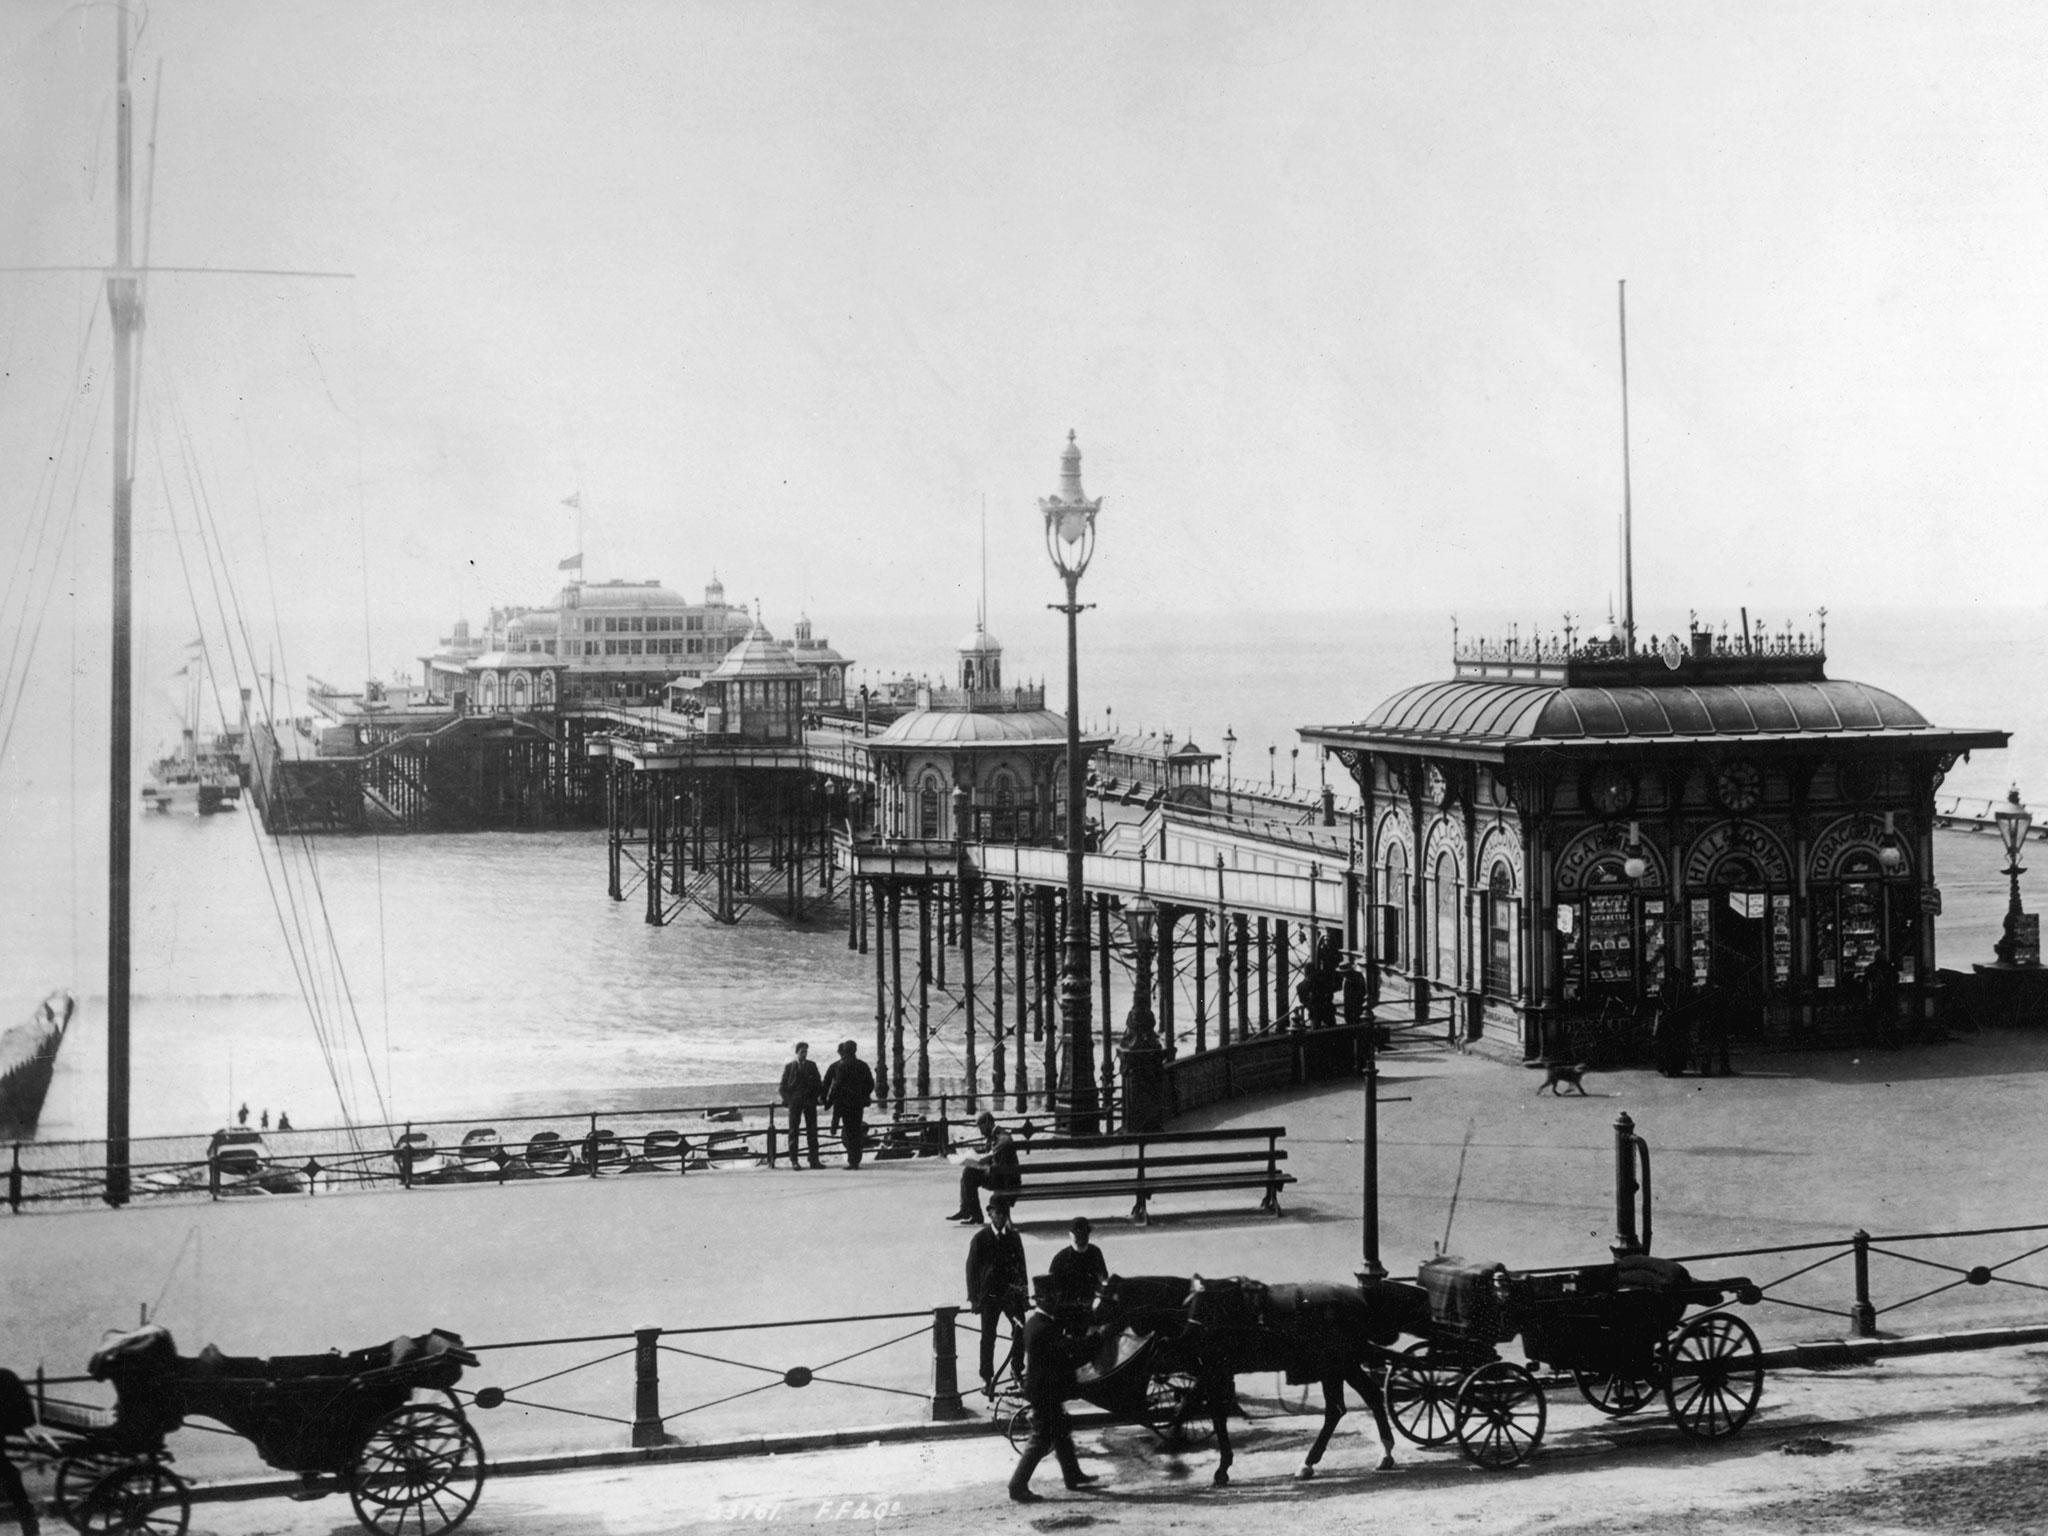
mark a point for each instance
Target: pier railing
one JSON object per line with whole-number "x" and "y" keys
{"x": 486, "y": 1149}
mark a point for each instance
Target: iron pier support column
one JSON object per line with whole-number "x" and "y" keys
{"x": 998, "y": 1021}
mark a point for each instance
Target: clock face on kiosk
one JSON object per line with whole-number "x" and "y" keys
{"x": 1611, "y": 789}
{"x": 1738, "y": 786}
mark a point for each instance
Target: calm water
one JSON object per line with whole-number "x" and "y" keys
{"x": 492, "y": 973}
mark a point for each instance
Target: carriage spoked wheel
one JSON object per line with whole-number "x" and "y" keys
{"x": 1173, "y": 1409}
{"x": 419, "y": 1472}
{"x": 1713, "y": 1376}
{"x": 1422, "y": 1396}
{"x": 1620, "y": 1391}
{"x": 76, "y": 1475}
{"x": 1501, "y": 1414}
{"x": 138, "y": 1498}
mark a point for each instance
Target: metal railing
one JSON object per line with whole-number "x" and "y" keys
{"x": 484, "y": 1149}
{"x": 731, "y": 1382}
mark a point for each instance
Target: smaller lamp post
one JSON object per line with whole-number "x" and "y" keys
{"x": 1294, "y": 770}
{"x": 1272, "y": 767}
{"x": 2013, "y": 820}
{"x": 1229, "y": 753}
{"x": 1139, "y": 1023}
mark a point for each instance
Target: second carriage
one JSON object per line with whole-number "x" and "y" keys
{"x": 1621, "y": 1331}
{"x": 382, "y": 1425}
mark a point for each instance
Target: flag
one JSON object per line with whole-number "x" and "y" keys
{"x": 573, "y": 563}
{"x": 574, "y": 502}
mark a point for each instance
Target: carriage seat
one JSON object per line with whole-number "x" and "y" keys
{"x": 1466, "y": 1298}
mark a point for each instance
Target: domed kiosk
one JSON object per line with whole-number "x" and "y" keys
{"x": 1567, "y": 841}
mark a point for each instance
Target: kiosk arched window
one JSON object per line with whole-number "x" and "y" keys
{"x": 1393, "y": 906}
{"x": 1445, "y": 904}
{"x": 1500, "y": 910}
{"x": 928, "y": 809}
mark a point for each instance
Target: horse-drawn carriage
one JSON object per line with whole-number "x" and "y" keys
{"x": 382, "y": 1424}
{"x": 1165, "y": 1350}
{"x": 1620, "y": 1330}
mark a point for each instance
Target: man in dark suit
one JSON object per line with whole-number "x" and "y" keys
{"x": 1049, "y": 1361}
{"x": 801, "y": 1088}
{"x": 994, "y": 1168}
{"x": 996, "y": 1280}
{"x": 1078, "y": 1272}
{"x": 849, "y": 1088}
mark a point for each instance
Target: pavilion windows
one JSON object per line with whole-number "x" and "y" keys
{"x": 1500, "y": 915}
{"x": 1392, "y": 927}
{"x": 928, "y": 803}
{"x": 1445, "y": 927}
{"x": 1006, "y": 809}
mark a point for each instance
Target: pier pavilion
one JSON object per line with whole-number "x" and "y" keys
{"x": 1565, "y": 833}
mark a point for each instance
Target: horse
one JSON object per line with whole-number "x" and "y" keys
{"x": 1332, "y": 1334}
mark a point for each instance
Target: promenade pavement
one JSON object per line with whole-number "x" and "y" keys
{"x": 1794, "y": 1149}
{"x": 1946, "y": 1444}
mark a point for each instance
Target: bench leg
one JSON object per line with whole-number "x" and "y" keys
{"x": 1272, "y": 1200}
{"x": 1138, "y": 1213}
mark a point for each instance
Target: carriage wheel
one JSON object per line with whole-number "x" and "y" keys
{"x": 140, "y": 1497}
{"x": 1501, "y": 1414}
{"x": 1422, "y": 1396}
{"x": 1173, "y": 1409}
{"x": 1714, "y": 1375}
{"x": 1616, "y": 1393}
{"x": 419, "y": 1472}
{"x": 76, "y": 1475}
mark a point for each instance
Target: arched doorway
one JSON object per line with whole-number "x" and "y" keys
{"x": 1739, "y": 944}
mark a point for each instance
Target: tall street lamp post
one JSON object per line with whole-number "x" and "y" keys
{"x": 1070, "y": 541}
{"x": 1229, "y": 753}
{"x": 2013, "y": 820}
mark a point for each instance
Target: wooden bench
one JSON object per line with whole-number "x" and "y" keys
{"x": 1145, "y": 1166}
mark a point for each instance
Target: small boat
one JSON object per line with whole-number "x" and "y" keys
{"x": 417, "y": 1157}
{"x": 241, "y": 1165}
{"x": 603, "y": 1152}
{"x": 28, "y": 1055}
{"x": 547, "y": 1153}
{"x": 481, "y": 1146}
{"x": 660, "y": 1150}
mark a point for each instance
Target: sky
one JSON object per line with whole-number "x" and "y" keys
{"x": 789, "y": 292}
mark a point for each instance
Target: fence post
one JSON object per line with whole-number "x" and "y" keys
{"x": 405, "y": 1157}
{"x": 1862, "y": 1315}
{"x": 14, "y": 1181}
{"x": 945, "y": 1126}
{"x": 772, "y": 1139}
{"x": 946, "y": 1402}
{"x": 646, "y": 1388}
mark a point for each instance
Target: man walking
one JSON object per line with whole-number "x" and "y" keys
{"x": 849, "y": 1089}
{"x": 800, "y": 1090}
{"x": 1048, "y": 1378}
{"x": 996, "y": 1278}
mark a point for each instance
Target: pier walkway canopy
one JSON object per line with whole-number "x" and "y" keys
{"x": 1566, "y": 840}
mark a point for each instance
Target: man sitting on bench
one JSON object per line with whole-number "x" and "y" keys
{"x": 994, "y": 1168}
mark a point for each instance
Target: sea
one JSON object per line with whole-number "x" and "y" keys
{"x": 490, "y": 973}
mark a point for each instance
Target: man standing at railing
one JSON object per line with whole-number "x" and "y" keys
{"x": 801, "y": 1089}
{"x": 996, "y": 1280}
{"x": 849, "y": 1089}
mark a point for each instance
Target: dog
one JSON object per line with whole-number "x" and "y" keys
{"x": 1556, "y": 1073}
